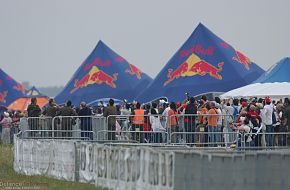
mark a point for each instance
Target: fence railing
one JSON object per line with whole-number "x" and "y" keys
{"x": 182, "y": 129}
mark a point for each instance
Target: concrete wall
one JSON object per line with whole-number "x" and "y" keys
{"x": 251, "y": 171}
{"x": 136, "y": 167}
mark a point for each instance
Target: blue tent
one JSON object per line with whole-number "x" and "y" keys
{"x": 9, "y": 89}
{"x": 204, "y": 63}
{"x": 34, "y": 92}
{"x": 22, "y": 102}
{"x": 275, "y": 82}
{"x": 279, "y": 72}
{"x": 103, "y": 74}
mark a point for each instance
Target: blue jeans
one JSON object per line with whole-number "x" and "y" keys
{"x": 269, "y": 137}
{"x": 212, "y": 135}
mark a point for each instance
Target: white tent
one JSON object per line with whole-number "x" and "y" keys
{"x": 274, "y": 90}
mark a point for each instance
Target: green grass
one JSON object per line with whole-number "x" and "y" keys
{"x": 7, "y": 174}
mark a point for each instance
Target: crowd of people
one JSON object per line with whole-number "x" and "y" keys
{"x": 196, "y": 122}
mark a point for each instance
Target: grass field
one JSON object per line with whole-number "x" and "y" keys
{"x": 12, "y": 180}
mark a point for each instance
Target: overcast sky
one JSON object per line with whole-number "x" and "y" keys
{"x": 44, "y": 42}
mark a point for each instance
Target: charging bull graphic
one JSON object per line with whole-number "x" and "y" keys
{"x": 241, "y": 58}
{"x": 3, "y": 96}
{"x": 194, "y": 66}
{"x": 134, "y": 71}
{"x": 19, "y": 87}
{"x": 95, "y": 76}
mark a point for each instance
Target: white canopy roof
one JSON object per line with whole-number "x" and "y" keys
{"x": 274, "y": 90}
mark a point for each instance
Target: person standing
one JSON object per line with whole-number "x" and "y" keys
{"x": 267, "y": 119}
{"x": 156, "y": 126}
{"x": 33, "y": 111}
{"x": 110, "y": 113}
{"x": 86, "y": 121}
{"x": 67, "y": 121}
{"x": 23, "y": 124}
{"x": 212, "y": 123}
{"x": 173, "y": 122}
{"x": 189, "y": 121}
{"x": 126, "y": 112}
{"x": 50, "y": 112}
{"x": 6, "y": 123}
{"x": 219, "y": 125}
{"x": 138, "y": 123}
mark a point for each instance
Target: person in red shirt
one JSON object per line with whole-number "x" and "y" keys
{"x": 253, "y": 111}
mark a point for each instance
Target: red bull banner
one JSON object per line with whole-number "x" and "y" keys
{"x": 10, "y": 89}
{"x": 204, "y": 64}
{"x": 134, "y": 71}
{"x": 242, "y": 59}
{"x": 95, "y": 76}
{"x": 104, "y": 74}
{"x": 3, "y": 96}
{"x": 194, "y": 66}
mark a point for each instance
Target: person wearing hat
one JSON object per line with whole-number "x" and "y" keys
{"x": 266, "y": 115}
{"x": 6, "y": 123}
{"x": 244, "y": 106}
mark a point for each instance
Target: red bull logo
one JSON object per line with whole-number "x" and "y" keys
{"x": 134, "y": 71}
{"x": 198, "y": 49}
{"x": 19, "y": 87}
{"x": 3, "y": 96}
{"x": 241, "y": 58}
{"x": 194, "y": 66}
{"x": 95, "y": 76}
{"x": 98, "y": 62}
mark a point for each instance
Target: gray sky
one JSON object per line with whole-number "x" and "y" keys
{"x": 44, "y": 42}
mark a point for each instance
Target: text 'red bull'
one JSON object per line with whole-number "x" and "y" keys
{"x": 194, "y": 66}
{"x": 197, "y": 48}
{"x": 19, "y": 87}
{"x": 3, "y": 96}
{"x": 134, "y": 71}
{"x": 98, "y": 61}
{"x": 95, "y": 76}
{"x": 241, "y": 58}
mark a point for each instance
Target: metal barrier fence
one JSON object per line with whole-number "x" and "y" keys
{"x": 181, "y": 129}
{"x": 65, "y": 127}
{"x": 151, "y": 137}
